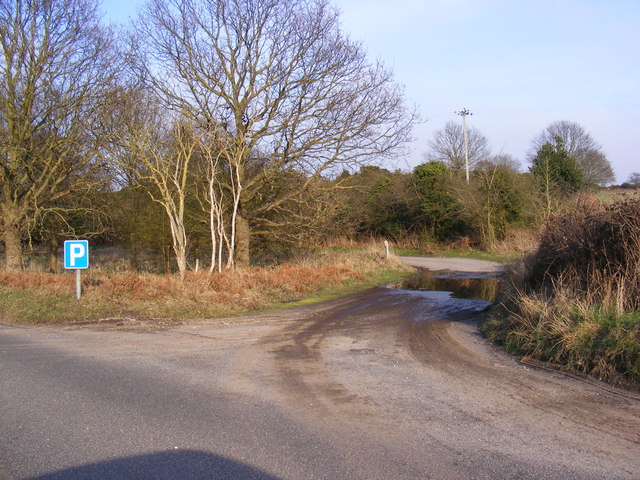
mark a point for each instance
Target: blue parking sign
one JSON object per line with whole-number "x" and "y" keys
{"x": 76, "y": 254}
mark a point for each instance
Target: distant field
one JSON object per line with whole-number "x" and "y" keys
{"x": 608, "y": 195}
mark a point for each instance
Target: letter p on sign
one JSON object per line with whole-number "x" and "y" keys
{"x": 76, "y": 254}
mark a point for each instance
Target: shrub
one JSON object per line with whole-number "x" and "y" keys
{"x": 576, "y": 300}
{"x": 596, "y": 249}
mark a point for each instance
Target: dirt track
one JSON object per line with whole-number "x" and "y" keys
{"x": 405, "y": 368}
{"x": 393, "y": 384}
{"x": 437, "y": 380}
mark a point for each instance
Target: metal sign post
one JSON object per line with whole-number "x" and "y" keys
{"x": 76, "y": 257}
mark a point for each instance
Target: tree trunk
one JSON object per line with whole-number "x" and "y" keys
{"x": 13, "y": 246}
{"x": 181, "y": 261}
{"x": 53, "y": 254}
{"x": 243, "y": 234}
{"x": 167, "y": 259}
{"x": 179, "y": 240}
{"x": 133, "y": 253}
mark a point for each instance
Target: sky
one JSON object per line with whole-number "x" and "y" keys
{"x": 516, "y": 65}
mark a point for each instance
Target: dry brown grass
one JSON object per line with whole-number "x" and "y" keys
{"x": 37, "y": 280}
{"x": 199, "y": 295}
{"x": 520, "y": 240}
{"x": 594, "y": 250}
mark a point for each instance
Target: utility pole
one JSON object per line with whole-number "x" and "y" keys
{"x": 463, "y": 113}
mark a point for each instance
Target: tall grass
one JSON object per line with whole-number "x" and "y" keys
{"x": 576, "y": 300}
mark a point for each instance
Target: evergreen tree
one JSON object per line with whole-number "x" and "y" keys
{"x": 556, "y": 172}
{"x": 439, "y": 207}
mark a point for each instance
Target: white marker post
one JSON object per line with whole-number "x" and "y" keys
{"x": 76, "y": 257}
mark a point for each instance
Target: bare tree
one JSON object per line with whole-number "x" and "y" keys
{"x": 634, "y": 179}
{"x": 81, "y": 211}
{"x": 162, "y": 148}
{"x": 584, "y": 150}
{"x": 56, "y": 68}
{"x": 501, "y": 160}
{"x": 221, "y": 195}
{"x": 596, "y": 169}
{"x": 447, "y": 146}
{"x": 278, "y": 77}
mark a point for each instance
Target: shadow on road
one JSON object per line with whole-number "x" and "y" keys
{"x": 169, "y": 465}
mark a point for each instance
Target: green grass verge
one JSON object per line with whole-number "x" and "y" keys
{"x": 384, "y": 277}
{"x": 459, "y": 253}
{"x": 34, "y": 306}
{"x": 408, "y": 252}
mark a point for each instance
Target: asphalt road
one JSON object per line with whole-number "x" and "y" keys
{"x": 384, "y": 384}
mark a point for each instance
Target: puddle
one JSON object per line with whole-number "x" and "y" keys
{"x": 472, "y": 286}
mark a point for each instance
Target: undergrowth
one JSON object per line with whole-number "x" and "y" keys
{"x": 32, "y": 297}
{"x": 575, "y": 302}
